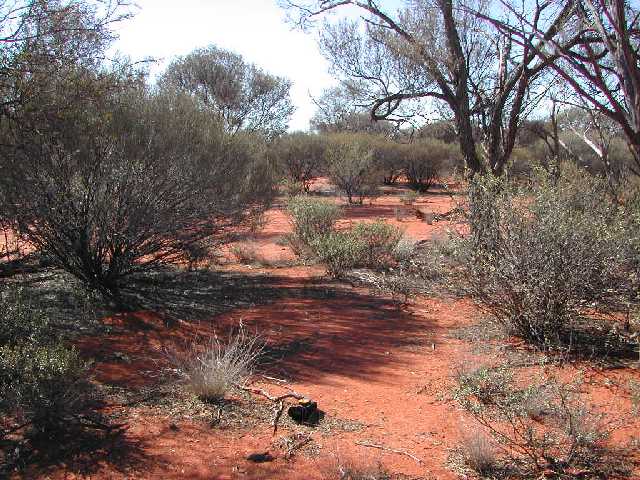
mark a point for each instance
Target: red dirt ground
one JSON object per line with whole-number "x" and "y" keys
{"x": 363, "y": 361}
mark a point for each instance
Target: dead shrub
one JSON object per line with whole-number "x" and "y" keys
{"x": 246, "y": 253}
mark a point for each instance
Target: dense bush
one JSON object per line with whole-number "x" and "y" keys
{"x": 538, "y": 257}
{"x": 239, "y": 94}
{"x": 351, "y": 166}
{"x": 42, "y": 381}
{"x": 110, "y": 178}
{"x": 425, "y": 161}
{"x": 311, "y": 219}
{"x": 365, "y": 245}
{"x": 389, "y": 157}
{"x": 380, "y": 240}
{"x": 299, "y": 157}
{"x": 339, "y": 251}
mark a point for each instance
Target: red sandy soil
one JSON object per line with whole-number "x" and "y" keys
{"x": 366, "y": 361}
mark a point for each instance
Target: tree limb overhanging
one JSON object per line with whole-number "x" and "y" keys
{"x": 446, "y": 51}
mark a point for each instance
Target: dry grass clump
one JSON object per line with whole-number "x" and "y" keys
{"x": 479, "y": 454}
{"x": 246, "y": 253}
{"x": 211, "y": 368}
{"x": 341, "y": 467}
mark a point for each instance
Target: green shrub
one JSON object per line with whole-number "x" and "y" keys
{"x": 409, "y": 197}
{"x": 380, "y": 240}
{"x": 41, "y": 379}
{"x": 365, "y": 245}
{"x": 538, "y": 256}
{"x": 339, "y": 251}
{"x": 299, "y": 158}
{"x": 41, "y": 382}
{"x": 311, "y": 218}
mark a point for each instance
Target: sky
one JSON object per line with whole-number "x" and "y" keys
{"x": 256, "y": 29}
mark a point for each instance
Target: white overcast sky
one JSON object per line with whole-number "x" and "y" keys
{"x": 256, "y": 29}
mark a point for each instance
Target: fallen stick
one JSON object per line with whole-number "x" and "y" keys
{"x": 387, "y": 449}
{"x": 279, "y": 400}
{"x": 296, "y": 446}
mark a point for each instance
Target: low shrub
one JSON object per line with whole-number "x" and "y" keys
{"x": 339, "y": 251}
{"x": 246, "y": 253}
{"x": 311, "y": 219}
{"x": 365, "y": 245}
{"x": 409, "y": 197}
{"x": 537, "y": 257}
{"x": 479, "y": 454}
{"x": 41, "y": 383}
{"x": 487, "y": 385}
{"x": 380, "y": 240}
{"x": 340, "y": 467}
{"x": 41, "y": 379}
{"x": 398, "y": 282}
{"x": 404, "y": 250}
{"x": 566, "y": 437}
{"x": 211, "y": 368}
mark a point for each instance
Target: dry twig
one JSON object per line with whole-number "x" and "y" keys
{"x": 387, "y": 449}
{"x": 278, "y": 400}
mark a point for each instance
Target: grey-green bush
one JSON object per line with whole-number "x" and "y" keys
{"x": 365, "y": 245}
{"x": 380, "y": 240}
{"x": 299, "y": 157}
{"x": 351, "y": 166}
{"x": 311, "y": 218}
{"x": 41, "y": 379}
{"x": 339, "y": 251}
{"x": 537, "y": 257}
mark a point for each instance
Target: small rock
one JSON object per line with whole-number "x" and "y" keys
{"x": 260, "y": 457}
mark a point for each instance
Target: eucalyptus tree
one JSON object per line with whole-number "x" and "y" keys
{"x": 442, "y": 56}
{"x": 601, "y": 63}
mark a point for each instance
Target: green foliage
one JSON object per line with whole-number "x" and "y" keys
{"x": 409, "y": 197}
{"x": 42, "y": 380}
{"x": 634, "y": 387}
{"x": 240, "y": 94}
{"x": 114, "y": 179}
{"x": 311, "y": 219}
{"x": 380, "y": 240}
{"x": 365, "y": 245}
{"x": 300, "y": 158}
{"x": 424, "y": 161}
{"x": 339, "y": 251}
{"x": 389, "y": 158}
{"x": 485, "y": 385}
